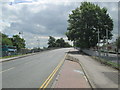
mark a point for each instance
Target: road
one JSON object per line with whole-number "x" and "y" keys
{"x": 31, "y": 71}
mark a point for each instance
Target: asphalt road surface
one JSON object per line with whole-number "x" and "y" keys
{"x": 31, "y": 71}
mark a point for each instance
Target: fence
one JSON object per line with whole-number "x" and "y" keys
{"x": 112, "y": 57}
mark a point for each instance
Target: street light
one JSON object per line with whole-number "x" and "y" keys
{"x": 98, "y": 43}
{"x": 21, "y": 33}
{"x": 107, "y": 41}
{"x": 104, "y": 45}
{"x": 38, "y": 43}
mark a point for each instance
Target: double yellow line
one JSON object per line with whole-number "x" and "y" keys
{"x": 50, "y": 77}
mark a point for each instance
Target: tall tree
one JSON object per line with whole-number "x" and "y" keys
{"x": 5, "y": 39}
{"x": 85, "y": 22}
{"x": 51, "y": 42}
{"x": 18, "y": 42}
{"x": 67, "y": 44}
{"x": 60, "y": 42}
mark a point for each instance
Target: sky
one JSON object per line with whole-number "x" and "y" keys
{"x": 39, "y": 19}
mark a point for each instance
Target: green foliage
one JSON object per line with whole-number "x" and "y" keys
{"x": 5, "y": 39}
{"x": 60, "y": 42}
{"x": 44, "y": 48}
{"x": 18, "y": 42}
{"x": 14, "y": 41}
{"x": 84, "y": 23}
{"x": 52, "y": 42}
{"x": 67, "y": 44}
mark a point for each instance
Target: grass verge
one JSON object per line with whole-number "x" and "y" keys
{"x": 106, "y": 62}
{"x": 11, "y": 56}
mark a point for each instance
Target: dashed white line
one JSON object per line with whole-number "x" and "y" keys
{"x": 29, "y": 62}
{"x": 7, "y": 70}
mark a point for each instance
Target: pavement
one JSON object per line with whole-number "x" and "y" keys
{"x": 31, "y": 71}
{"x": 99, "y": 75}
{"x": 71, "y": 76}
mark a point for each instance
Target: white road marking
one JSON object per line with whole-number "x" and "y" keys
{"x": 28, "y": 62}
{"x": 7, "y": 70}
{"x": 85, "y": 78}
{"x": 79, "y": 71}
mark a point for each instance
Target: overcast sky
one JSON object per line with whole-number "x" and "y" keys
{"x": 39, "y": 19}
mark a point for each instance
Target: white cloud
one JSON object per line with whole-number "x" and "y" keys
{"x": 42, "y": 18}
{"x": 37, "y": 8}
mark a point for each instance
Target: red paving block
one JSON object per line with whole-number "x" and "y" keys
{"x": 71, "y": 76}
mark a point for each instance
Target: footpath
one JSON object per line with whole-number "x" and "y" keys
{"x": 81, "y": 71}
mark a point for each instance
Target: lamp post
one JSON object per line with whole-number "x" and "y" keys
{"x": 107, "y": 41}
{"x": 21, "y": 33}
{"x": 98, "y": 43}
{"x": 38, "y": 43}
{"x": 104, "y": 45}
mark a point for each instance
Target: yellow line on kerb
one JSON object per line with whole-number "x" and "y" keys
{"x": 50, "y": 77}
